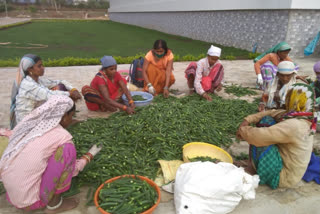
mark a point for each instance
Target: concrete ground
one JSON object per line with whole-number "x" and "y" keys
{"x": 302, "y": 199}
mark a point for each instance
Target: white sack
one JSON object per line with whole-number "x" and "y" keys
{"x": 206, "y": 187}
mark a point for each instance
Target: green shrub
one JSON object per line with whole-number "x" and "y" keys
{"x": 75, "y": 61}
{"x": 229, "y": 57}
{"x": 253, "y": 55}
{"x": 9, "y": 62}
{"x": 189, "y": 57}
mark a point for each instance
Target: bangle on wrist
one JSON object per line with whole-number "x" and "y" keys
{"x": 131, "y": 101}
{"x": 124, "y": 107}
{"x": 262, "y": 103}
{"x": 86, "y": 158}
{"x": 165, "y": 88}
{"x": 149, "y": 85}
{"x": 89, "y": 155}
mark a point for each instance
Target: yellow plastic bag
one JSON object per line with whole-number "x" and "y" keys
{"x": 169, "y": 169}
{"x": 3, "y": 144}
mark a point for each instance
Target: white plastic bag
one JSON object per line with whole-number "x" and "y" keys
{"x": 206, "y": 187}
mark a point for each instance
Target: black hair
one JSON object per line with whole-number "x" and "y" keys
{"x": 161, "y": 44}
{"x": 36, "y": 59}
{"x": 72, "y": 109}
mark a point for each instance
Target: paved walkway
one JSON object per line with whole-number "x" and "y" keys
{"x": 9, "y": 21}
{"x": 300, "y": 200}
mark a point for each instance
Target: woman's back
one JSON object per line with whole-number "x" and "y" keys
{"x": 22, "y": 178}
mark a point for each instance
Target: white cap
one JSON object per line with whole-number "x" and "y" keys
{"x": 286, "y": 67}
{"x": 214, "y": 51}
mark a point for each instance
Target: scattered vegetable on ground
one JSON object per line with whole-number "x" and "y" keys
{"x": 239, "y": 91}
{"x": 133, "y": 144}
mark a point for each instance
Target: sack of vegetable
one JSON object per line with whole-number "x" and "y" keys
{"x": 207, "y": 187}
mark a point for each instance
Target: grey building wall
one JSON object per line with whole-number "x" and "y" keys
{"x": 241, "y": 29}
{"x": 303, "y": 27}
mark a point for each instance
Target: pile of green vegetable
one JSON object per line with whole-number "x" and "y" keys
{"x": 138, "y": 98}
{"x": 127, "y": 195}
{"x": 204, "y": 158}
{"x": 239, "y": 91}
{"x": 132, "y": 144}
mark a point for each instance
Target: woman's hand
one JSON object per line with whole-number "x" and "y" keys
{"x": 166, "y": 93}
{"x": 151, "y": 89}
{"x": 95, "y": 150}
{"x": 132, "y": 105}
{"x": 238, "y": 135}
{"x": 207, "y": 96}
{"x": 261, "y": 107}
{"x": 302, "y": 78}
{"x": 244, "y": 123}
{"x": 130, "y": 110}
{"x": 75, "y": 95}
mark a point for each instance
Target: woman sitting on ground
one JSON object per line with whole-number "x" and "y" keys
{"x": 106, "y": 89}
{"x": 40, "y": 160}
{"x": 206, "y": 76}
{"x": 266, "y": 64}
{"x": 157, "y": 69}
{"x": 281, "y": 153}
{"x": 31, "y": 89}
{"x": 274, "y": 97}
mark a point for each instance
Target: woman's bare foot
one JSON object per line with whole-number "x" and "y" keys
{"x": 246, "y": 164}
{"x": 250, "y": 170}
{"x": 67, "y": 204}
{"x": 241, "y": 163}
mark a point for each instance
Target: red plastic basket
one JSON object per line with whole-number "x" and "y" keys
{"x": 154, "y": 185}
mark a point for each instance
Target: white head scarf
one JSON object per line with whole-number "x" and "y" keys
{"x": 214, "y": 51}
{"x": 284, "y": 67}
{"x": 37, "y": 123}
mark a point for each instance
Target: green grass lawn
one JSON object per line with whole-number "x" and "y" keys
{"x": 57, "y": 39}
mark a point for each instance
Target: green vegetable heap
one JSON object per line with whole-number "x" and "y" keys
{"x": 239, "y": 91}
{"x": 138, "y": 98}
{"x": 133, "y": 144}
{"x": 127, "y": 195}
{"x": 204, "y": 158}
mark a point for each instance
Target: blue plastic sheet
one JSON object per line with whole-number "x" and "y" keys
{"x": 313, "y": 170}
{"x": 312, "y": 45}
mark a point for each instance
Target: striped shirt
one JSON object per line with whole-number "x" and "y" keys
{"x": 22, "y": 178}
{"x": 31, "y": 94}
